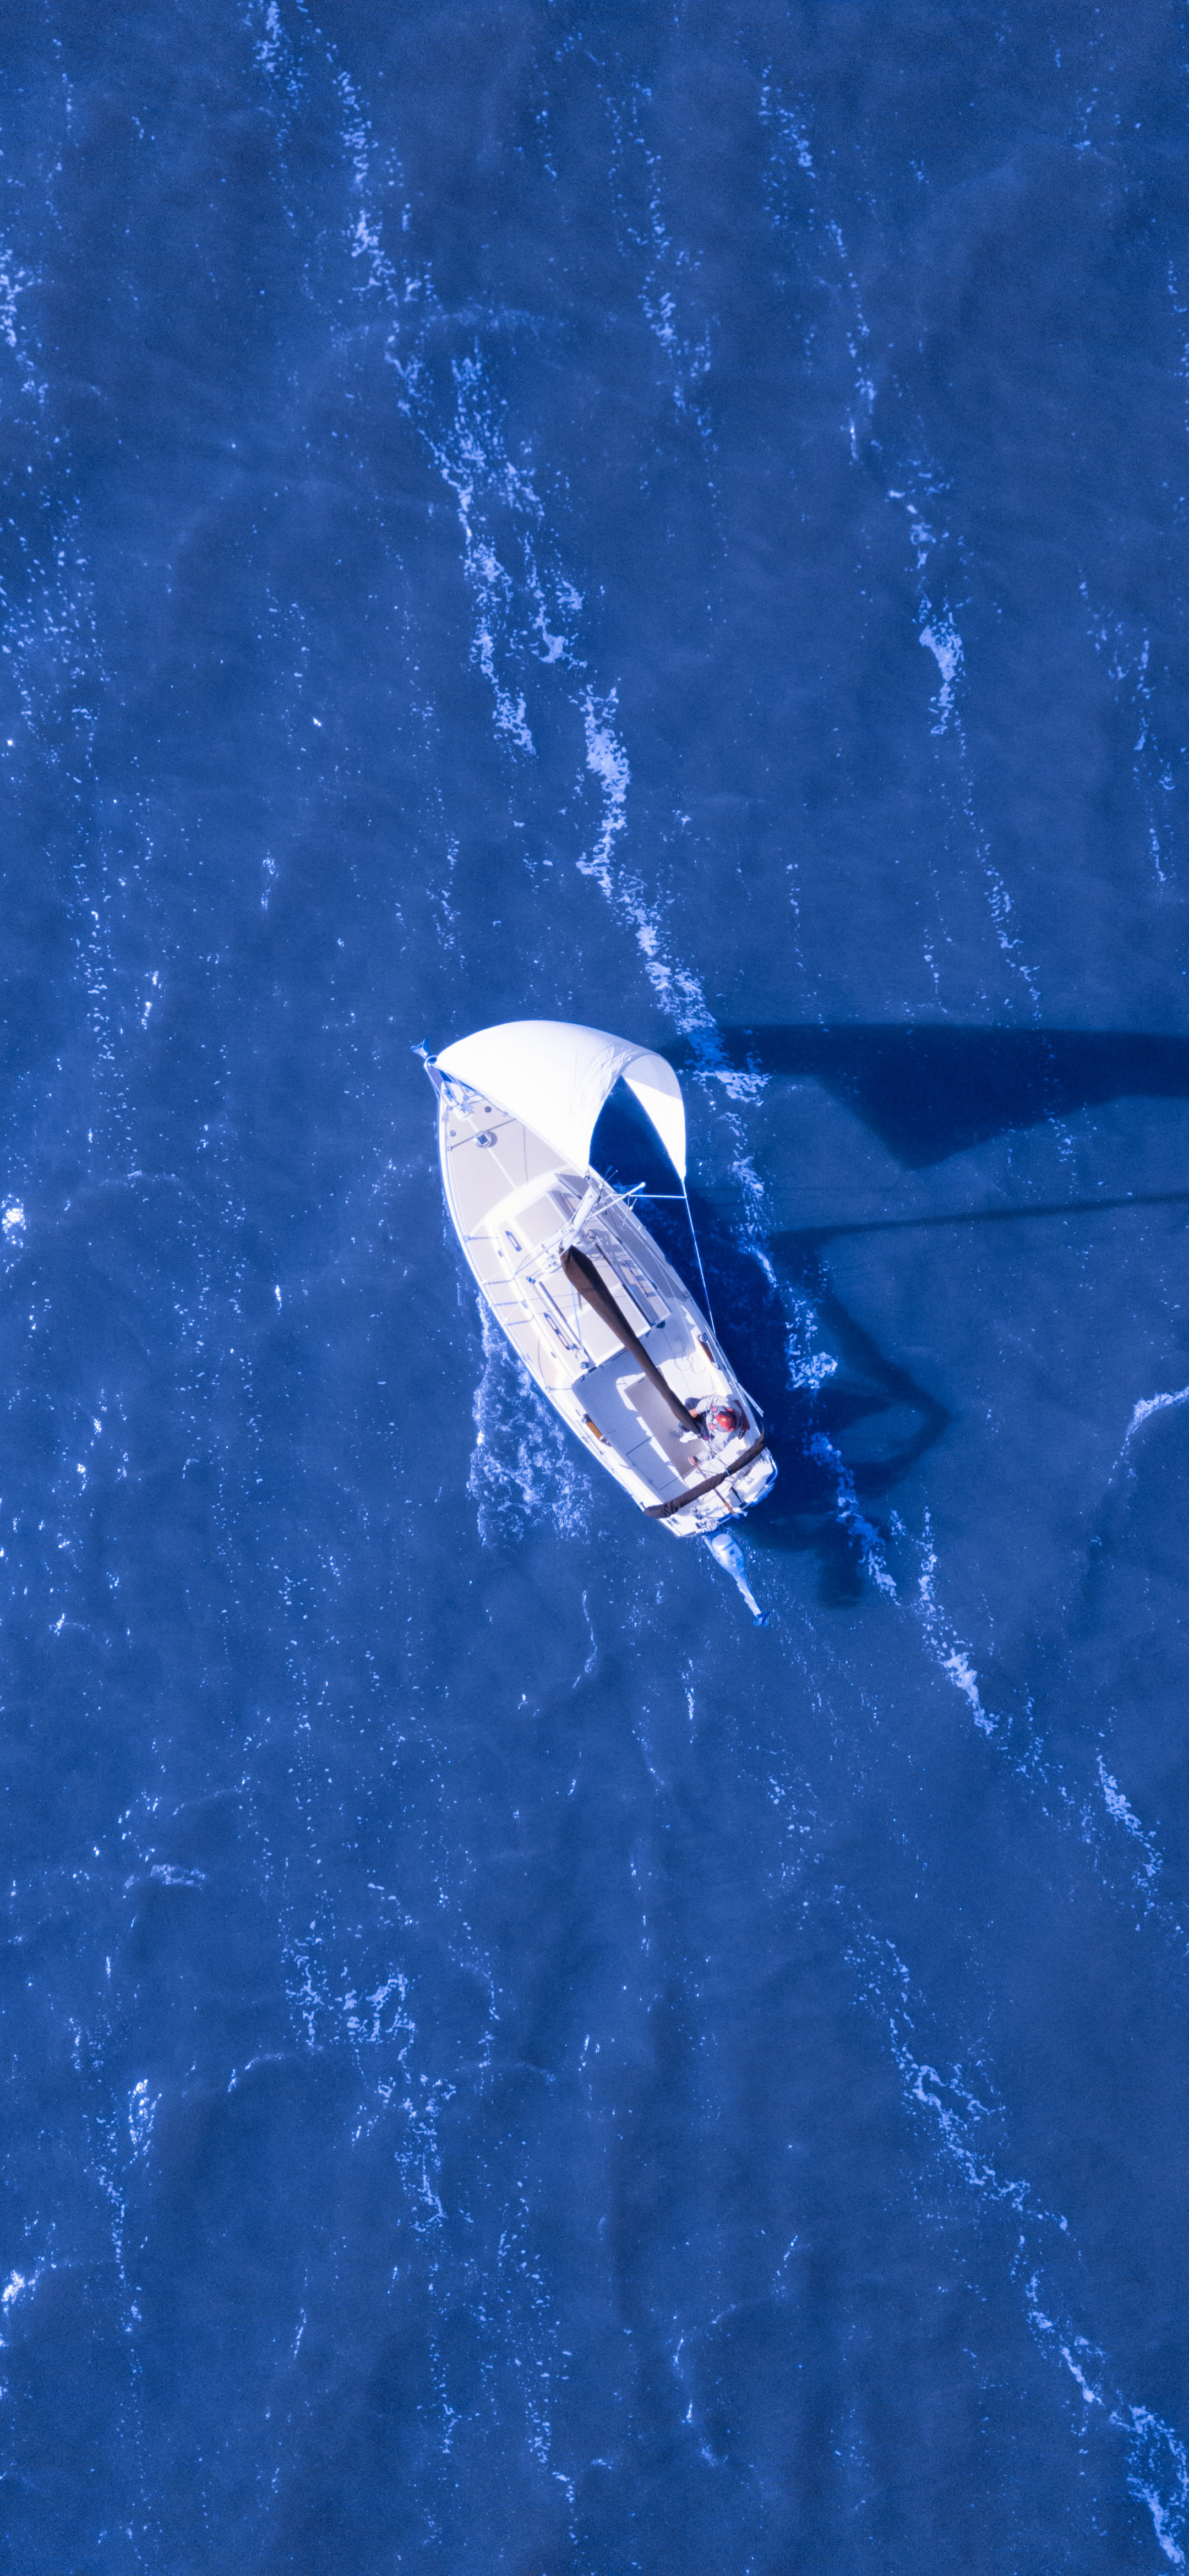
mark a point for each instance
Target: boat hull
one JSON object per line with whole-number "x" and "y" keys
{"x": 615, "y": 1340}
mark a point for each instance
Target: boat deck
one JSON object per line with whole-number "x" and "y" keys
{"x": 517, "y": 1209}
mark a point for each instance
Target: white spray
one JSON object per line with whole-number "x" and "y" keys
{"x": 728, "y": 1553}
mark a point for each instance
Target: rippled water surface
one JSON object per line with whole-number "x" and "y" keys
{"x": 673, "y": 518}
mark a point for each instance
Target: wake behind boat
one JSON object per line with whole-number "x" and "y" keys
{"x": 599, "y": 1318}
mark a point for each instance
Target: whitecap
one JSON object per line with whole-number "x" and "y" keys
{"x": 1123, "y": 1814}
{"x": 1157, "y": 2467}
{"x": 849, "y": 1513}
{"x": 142, "y": 2111}
{"x": 1147, "y": 1406}
{"x": 940, "y": 637}
{"x": 946, "y": 1647}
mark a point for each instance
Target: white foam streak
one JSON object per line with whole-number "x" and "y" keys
{"x": 676, "y": 988}
{"x": 607, "y": 762}
{"x": 15, "y": 282}
{"x": 936, "y": 625}
{"x": 955, "y": 2111}
{"x": 523, "y": 1467}
{"x": 1128, "y": 660}
{"x": 19, "y": 2285}
{"x": 530, "y": 614}
{"x": 1158, "y": 2474}
{"x": 1122, "y": 1813}
{"x": 790, "y": 124}
{"x": 848, "y": 1512}
{"x": 1147, "y": 1406}
{"x": 142, "y": 2111}
{"x": 938, "y": 633}
{"x": 942, "y": 1640}
{"x": 1157, "y": 2465}
{"x": 941, "y": 638}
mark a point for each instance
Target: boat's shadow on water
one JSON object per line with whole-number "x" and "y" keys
{"x": 844, "y": 1444}
{"x": 928, "y": 1092}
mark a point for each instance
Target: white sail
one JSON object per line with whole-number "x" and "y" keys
{"x": 555, "y": 1077}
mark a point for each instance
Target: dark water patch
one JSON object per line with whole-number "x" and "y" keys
{"x": 929, "y": 1092}
{"x": 870, "y": 1409}
{"x": 1060, "y": 1208}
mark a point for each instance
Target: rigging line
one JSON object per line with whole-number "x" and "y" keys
{"x": 698, "y": 1258}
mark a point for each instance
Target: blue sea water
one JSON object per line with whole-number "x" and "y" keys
{"x": 673, "y": 517}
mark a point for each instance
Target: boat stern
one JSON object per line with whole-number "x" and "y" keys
{"x": 739, "y": 1491}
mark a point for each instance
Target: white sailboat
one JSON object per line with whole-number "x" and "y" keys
{"x": 600, "y": 1320}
